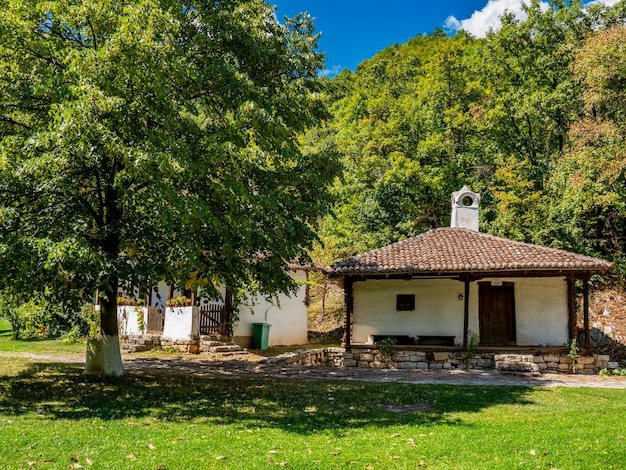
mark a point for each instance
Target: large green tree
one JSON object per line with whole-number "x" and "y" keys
{"x": 145, "y": 140}
{"x": 404, "y": 125}
{"x": 531, "y": 102}
{"x": 589, "y": 183}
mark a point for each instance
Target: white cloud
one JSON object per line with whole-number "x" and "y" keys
{"x": 331, "y": 72}
{"x": 489, "y": 17}
{"x": 608, "y": 3}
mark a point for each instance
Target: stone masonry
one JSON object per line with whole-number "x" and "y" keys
{"x": 408, "y": 359}
{"x": 327, "y": 357}
{"x": 366, "y": 357}
{"x": 138, "y": 343}
{"x": 372, "y": 357}
{"x": 194, "y": 345}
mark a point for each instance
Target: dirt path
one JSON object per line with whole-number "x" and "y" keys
{"x": 259, "y": 370}
{"x": 249, "y": 366}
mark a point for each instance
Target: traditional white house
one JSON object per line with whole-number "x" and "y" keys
{"x": 287, "y": 318}
{"x": 436, "y": 288}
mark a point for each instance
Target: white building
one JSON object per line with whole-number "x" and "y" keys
{"x": 287, "y": 317}
{"x": 433, "y": 289}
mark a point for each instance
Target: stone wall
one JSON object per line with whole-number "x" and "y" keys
{"x": 186, "y": 346}
{"x": 138, "y": 343}
{"x": 372, "y": 357}
{"x": 399, "y": 359}
{"x": 193, "y": 345}
{"x": 604, "y": 342}
{"x": 327, "y": 357}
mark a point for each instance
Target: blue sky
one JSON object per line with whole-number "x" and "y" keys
{"x": 354, "y": 30}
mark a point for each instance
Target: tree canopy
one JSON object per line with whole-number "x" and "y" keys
{"x": 146, "y": 140}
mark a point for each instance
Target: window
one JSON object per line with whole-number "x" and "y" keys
{"x": 405, "y": 302}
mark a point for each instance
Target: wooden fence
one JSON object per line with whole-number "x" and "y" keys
{"x": 155, "y": 321}
{"x": 211, "y": 317}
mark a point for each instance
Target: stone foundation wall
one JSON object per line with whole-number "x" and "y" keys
{"x": 243, "y": 341}
{"x": 186, "y": 346}
{"x": 327, "y": 357}
{"x": 367, "y": 357}
{"x": 372, "y": 357}
{"x": 138, "y": 343}
{"x": 194, "y": 345}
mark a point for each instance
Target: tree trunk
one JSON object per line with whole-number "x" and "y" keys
{"x": 108, "y": 357}
{"x": 93, "y": 361}
{"x": 226, "y": 329}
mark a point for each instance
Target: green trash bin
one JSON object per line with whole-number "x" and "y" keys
{"x": 261, "y": 334}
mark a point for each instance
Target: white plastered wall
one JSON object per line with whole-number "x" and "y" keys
{"x": 288, "y": 318}
{"x": 540, "y": 309}
{"x": 180, "y": 323}
{"x": 127, "y": 320}
{"x": 159, "y": 295}
{"x": 437, "y": 309}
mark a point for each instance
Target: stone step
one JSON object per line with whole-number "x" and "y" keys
{"x": 214, "y": 337}
{"x": 232, "y": 353}
{"x": 225, "y": 348}
{"x": 513, "y": 358}
{"x": 517, "y": 367}
{"x": 516, "y": 364}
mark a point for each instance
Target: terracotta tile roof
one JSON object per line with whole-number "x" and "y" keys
{"x": 462, "y": 250}
{"x": 301, "y": 265}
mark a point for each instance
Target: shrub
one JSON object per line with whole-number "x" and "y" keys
{"x": 34, "y": 318}
{"x": 86, "y": 324}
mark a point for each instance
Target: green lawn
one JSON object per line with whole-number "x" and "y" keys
{"x": 35, "y": 346}
{"x": 51, "y": 417}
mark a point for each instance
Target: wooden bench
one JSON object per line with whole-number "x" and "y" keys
{"x": 401, "y": 340}
{"x": 435, "y": 340}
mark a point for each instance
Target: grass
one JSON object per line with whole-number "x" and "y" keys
{"x": 52, "y": 417}
{"x": 35, "y": 346}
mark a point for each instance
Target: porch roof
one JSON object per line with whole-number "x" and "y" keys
{"x": 458, "y": 250}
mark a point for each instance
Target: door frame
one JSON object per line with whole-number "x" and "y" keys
{"x": 486, "y": 287}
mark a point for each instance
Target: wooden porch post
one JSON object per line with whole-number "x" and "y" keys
{"x": 226, "y": 329}
{"x": 466, "y": 312}
{"x": 347, "y": 307}
{"x": 586, "y": 312}
{"x": 571, "y": 307}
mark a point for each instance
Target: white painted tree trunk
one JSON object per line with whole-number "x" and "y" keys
{"x": 111, "y": 357}
{"x": 93, "y": 360}
{"x": 104, "y": 357}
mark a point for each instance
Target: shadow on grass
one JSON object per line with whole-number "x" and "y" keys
{"x": 59, "y": 391}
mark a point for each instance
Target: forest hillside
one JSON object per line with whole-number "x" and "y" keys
{"x": 533, "y": 117}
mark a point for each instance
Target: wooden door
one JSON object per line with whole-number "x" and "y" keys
{"x": 496, "y": 313}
